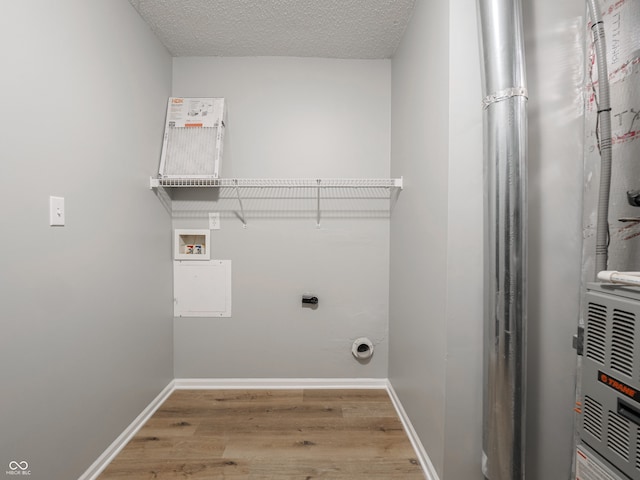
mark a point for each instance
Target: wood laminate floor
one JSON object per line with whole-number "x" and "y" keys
{"x": 262, "y": 434}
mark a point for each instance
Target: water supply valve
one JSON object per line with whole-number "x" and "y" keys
{"x": 309, "y": 299}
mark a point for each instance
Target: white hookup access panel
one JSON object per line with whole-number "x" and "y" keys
{"x": 202, "y": 289}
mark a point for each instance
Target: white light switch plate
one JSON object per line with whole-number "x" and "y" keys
{"x": 214, "y": 221}
{"x": 56, "y": 211}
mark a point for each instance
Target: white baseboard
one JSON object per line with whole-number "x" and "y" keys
{"x": 278, "y": 383}
{"x": 427, "y": 467}
{"x": 261, "y": 383}
{"x": 119, "y": 443}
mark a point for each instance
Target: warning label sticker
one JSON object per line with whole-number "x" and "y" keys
{"x": 195, "y": 112}
{"x": 588, "y": 469}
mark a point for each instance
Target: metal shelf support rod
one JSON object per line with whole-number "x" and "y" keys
{"x": 244, "y": 223}
{"x": 318, "y": 208}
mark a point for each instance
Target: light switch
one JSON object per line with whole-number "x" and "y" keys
{"x": 56, "y": 211}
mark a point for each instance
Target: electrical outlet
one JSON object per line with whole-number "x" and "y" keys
{"x": 214, "y": 221}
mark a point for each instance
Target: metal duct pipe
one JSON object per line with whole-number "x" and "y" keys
{"x": 505, "y": 151}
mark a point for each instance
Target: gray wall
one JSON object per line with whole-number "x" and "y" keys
{"x": 463, "y": 374}
{"x": 436, "y": 233}
{"x": 554, "y": 33}
{"x": 293, "y": 117}
{"x": 85, "y": 339}
{"x": 419, "y": 222}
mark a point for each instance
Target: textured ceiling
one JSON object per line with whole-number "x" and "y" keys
{"x": 300, "y": 28}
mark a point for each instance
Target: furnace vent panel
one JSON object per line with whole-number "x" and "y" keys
{"x": 611, "y": 376}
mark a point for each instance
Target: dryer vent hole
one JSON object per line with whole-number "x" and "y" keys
{"x": 363, "y": 348}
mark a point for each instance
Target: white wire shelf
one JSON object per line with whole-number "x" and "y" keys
{"x": 237, "y": 183}
{"x": 278, "y": 182}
